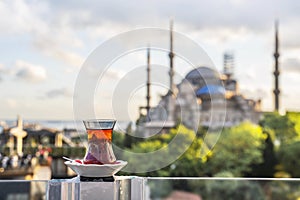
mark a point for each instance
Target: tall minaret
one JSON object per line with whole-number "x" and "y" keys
{"x": 170, "y": 100}
{"x": 171, "y": 56}
{"x": 148, "y": 83}
{"x": 276, "y": 72}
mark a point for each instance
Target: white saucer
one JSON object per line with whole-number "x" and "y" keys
{"x": 94, "y": 170}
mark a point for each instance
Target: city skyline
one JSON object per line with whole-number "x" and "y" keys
{"x": 44, "y": 44}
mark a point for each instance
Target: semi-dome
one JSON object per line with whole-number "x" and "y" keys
{"x": 211, "y": 90}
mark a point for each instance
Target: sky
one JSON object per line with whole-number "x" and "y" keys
{"x": 45, "y": 43}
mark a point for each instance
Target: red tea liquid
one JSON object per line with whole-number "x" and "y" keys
{"x": 99, "y": 147}
{"x": 105, "y": 134}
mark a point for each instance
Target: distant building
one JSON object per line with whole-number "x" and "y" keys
{"x": 19, "y": 138}
{"x": 204, "y": 97}
{"x": 207, "y": 96}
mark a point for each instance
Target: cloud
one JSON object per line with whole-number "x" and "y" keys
{"x": 18, "y": 17}
{"x": 49, "y": 32}
{"x": 109, "y": 74}
{"x": 291, "y": 65}
{"x": 62, "y": 92}
{"x": 114, "y": 74}
{"x": 54, "y": 50}
{"x": 261, "y": 93}
{"x": 23, "y": 70}
{"x": 29, "y": 72}
{"x": 59, "y": 41}
{"x": 2, "y": 70}
{"x": 106, "y": 19}
{"x": 56, "y": 29}
{"x": 68, "y": 16}
{"x": 67, "y": 30}
{"x": 198, "y": 14}
{"x": 11, "y": 103}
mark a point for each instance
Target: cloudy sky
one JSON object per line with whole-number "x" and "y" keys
{"x": 44, "y": 44}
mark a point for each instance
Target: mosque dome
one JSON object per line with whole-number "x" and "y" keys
{"x": 203, "y": 76}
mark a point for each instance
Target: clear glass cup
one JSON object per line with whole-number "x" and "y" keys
{"x": 99, "y": 149}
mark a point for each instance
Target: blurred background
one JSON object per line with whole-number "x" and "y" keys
{"x": 254, "y": 46}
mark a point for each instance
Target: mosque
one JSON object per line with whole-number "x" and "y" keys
{"x": 204, "y": 97}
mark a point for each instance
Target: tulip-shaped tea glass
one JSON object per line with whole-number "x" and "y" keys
{"x": 99, "y": 149}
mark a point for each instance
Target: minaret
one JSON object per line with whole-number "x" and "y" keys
{"x": 148, "y": 83}
{"x": 171, "y": 56}
{"x": 170, "y": 100}
{"x": 228, "y": 64}
{"x": 276, "y": 72}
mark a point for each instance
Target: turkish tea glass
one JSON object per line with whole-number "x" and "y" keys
{"x": 99, "y": 149}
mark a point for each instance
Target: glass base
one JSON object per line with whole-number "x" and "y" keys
{"x": 97, "y": 179}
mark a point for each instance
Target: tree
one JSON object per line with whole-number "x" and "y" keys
{"x": 128, "y": 140}
{"x": 118, "y": 138}
{"x": 118, "y": 143}
{"x": 146, "y": 162}
{"x": 288, "y": 156}
{"x": 267, "y": 167}
{"x": 295, "y": 118}
{"x": 238, "y": 148}
{"x": 282, "y": 125}
{"x": 190, "y": 163}
{"x": 187, "y": 146}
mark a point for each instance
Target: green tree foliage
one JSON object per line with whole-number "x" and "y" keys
{"x": 295, "y": 118}
{"x": 118, "y": 144}
{"x": 244, "y": 150}
{"x": 190, "y": 163}
{"x": 288, "y": 156}
{"x": 267, "y": 167}
{"x": 128, "y": 140}
{"x": 286, "y": 130}
{"x": 118, "y": 139}
{"x": 202, "y": 131}
{"x": 187, "y": 146}
{"x": 282, "y": 125}
{"x": 146, "y": 162}
{"x": 237, "y": 150}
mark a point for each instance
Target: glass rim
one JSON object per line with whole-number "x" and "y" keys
{"x": 99, "y": 123}
{"x": 99, "y": 120}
